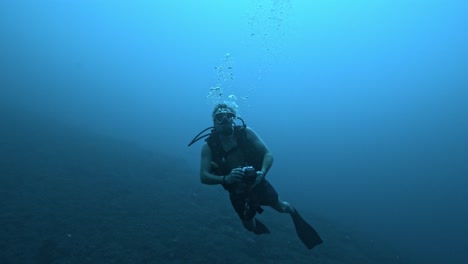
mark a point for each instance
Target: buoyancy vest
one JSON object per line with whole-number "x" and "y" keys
{"x": 219, "y": 155}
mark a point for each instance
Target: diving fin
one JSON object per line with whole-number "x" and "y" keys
{"x": 305, "y": 231}
{"x": 260, "y": 228}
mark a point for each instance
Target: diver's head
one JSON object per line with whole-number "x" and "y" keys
{"x": 223, "y": 118}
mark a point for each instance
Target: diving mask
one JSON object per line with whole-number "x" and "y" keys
{"x": 224, "y": 117}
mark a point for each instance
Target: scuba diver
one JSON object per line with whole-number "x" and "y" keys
{"x": 235, "y": 157}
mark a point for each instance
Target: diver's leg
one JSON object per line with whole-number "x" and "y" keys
{"x": 283, "y": 207}
{"x": 244, "y": 208}
{"x": 267, "y": 195}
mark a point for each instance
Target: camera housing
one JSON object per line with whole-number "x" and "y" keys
{"x": 250, "y": 174}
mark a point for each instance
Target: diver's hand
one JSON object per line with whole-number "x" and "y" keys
{"x": 236, "y": 175}
{"x": 259, "y": 178}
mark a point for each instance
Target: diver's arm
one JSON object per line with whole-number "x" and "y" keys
{"x": 206, "y": 177}
{"x": 261, "y": 147}
{"x": 267, "y": 163}
{"x": 205, "y": 167}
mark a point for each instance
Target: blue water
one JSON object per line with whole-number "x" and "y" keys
{"x": 363, "y": 103}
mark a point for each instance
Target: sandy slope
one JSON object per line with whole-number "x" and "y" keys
{"x": 72, "y": 197}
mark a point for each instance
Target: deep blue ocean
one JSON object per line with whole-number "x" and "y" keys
{"x": 364, "y": 104}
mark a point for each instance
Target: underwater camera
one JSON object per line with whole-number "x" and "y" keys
{"x": 250, "y": 174}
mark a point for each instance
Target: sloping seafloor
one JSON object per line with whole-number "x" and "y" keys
{"x": 73, "y": 197}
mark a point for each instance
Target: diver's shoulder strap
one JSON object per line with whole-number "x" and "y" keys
{"x": 241, "y": 136}
{"x": 218, "y": 153}
{"x": 215, "y": 144}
